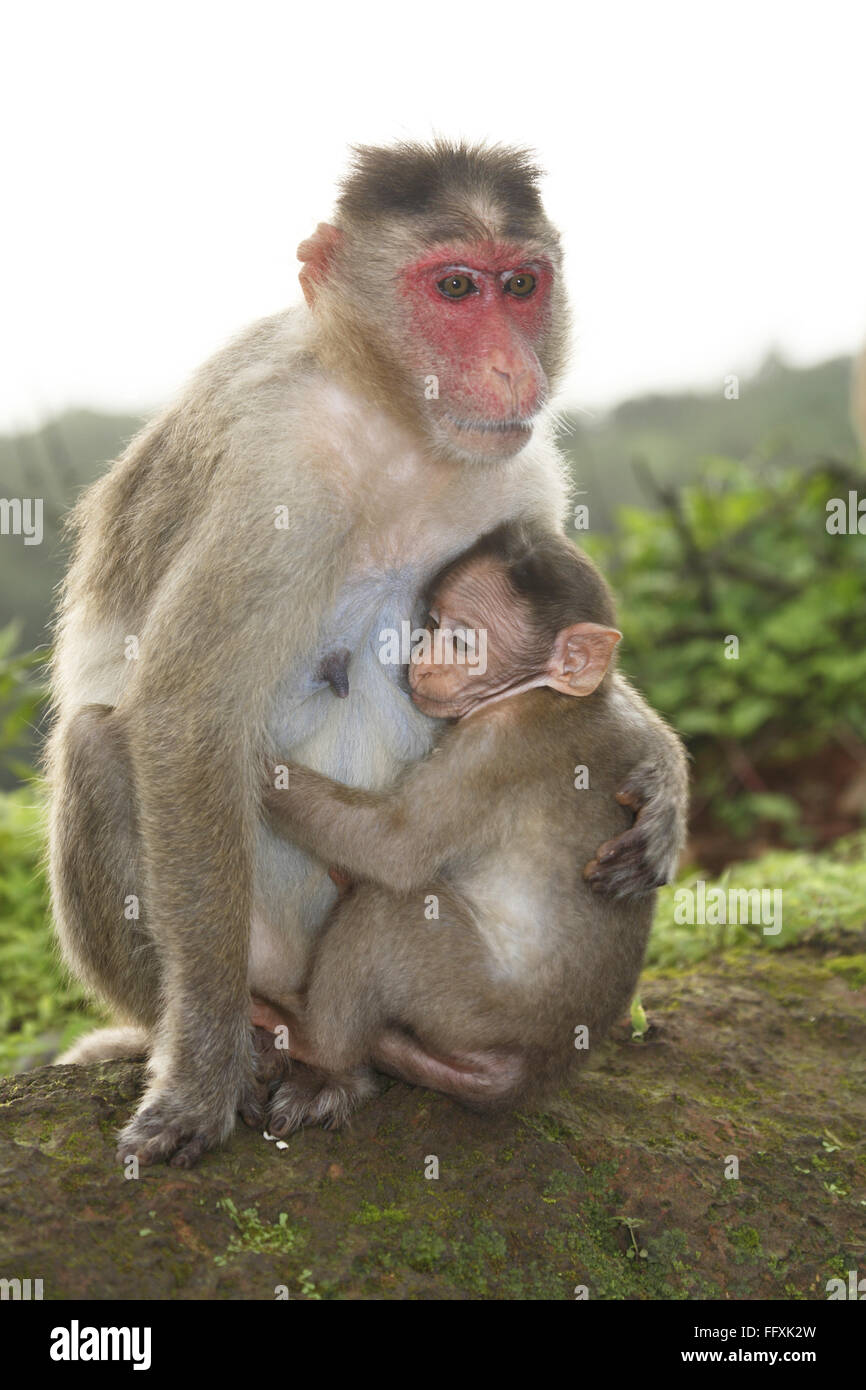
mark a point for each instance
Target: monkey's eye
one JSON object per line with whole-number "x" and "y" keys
{"x": 521, "y": 285}
{"x": 457, "y": 286}
{"x": 464, "y": 640}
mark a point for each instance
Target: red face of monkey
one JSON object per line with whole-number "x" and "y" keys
{"x": 459, "y": 335}
{"x": 476, "y": 316}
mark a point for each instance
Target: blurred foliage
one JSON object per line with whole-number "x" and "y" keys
{"x": 795, "y": 414}
{"x": 747, "y": 556}
{"x": 23, "y": 692}
{"x": 40, "y": 1011}
{"x": 55, "y": 463}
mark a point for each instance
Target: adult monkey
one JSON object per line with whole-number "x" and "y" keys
{"x": 291, "y": 505}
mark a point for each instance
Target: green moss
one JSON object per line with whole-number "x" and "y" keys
{"x": 369, "y": 1214}
{"x": 254, "y": 1236}
{"x": 851, "y": 968}
{"x": 824, "y": 901}
{"x": 747, "y": 1242}
{"x": 423, "y": 1249}
{"x": 560, "y": 1184}
{"x": 550, "y": 1127}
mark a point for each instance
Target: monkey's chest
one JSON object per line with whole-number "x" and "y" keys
{"x": 350, "y": 714}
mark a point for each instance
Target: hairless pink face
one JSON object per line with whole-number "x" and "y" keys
{"x": 478, "y": 600}
{"x": 477, "y": 314}
{"x": 469, "y": 327}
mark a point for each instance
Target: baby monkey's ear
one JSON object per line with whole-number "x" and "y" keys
{"x": 581, "y": 655}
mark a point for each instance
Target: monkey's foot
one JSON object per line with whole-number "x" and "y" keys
{"x": 166, "y": 1128}
{"x": 311, "y": 1097}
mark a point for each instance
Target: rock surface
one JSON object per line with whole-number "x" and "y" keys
{"x": 619, "y": 1185}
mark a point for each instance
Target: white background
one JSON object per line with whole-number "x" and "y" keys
{"x": 161, "y": 161}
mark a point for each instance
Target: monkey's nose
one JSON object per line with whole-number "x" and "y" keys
{"x": 511, "y": 380}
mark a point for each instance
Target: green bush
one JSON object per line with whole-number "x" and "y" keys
{"x": 22, "y": 698}
{"x": 750, "y": 557}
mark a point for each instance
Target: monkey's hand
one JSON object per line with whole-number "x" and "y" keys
{"x": 646, "y": 855}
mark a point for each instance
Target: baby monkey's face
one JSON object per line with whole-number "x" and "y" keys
{"x": 480, "y": 643}
{"x": 484, "y": 642}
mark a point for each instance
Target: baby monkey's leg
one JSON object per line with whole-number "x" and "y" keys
{"x": 477, "y": 1079}
{"x": 381, "y": 979}
{"x": 324, "y": 1075}
{"x": 306, "y": 1093}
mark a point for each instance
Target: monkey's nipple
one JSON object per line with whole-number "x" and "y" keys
{"x": 334, "y": 668}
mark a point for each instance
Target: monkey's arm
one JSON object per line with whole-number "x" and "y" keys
{"x": 657, "y": 790}
{"x": 397, "y": 838}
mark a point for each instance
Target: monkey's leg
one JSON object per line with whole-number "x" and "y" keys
{"x": 477, "y": 1079}
{"x": 372, "y": 969}
{"x": 279, "y": 1040}
{"x": 95, "y": 876}
{"x": 341, "y": 1015}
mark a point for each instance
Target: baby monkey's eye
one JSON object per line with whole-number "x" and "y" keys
{"x": 521, "y": 285}
{"x": 464, "y": 639}
{"x": 457, "y": 286}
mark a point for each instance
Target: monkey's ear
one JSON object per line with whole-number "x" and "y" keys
{"x": 317, "y": 252}
{"x": 580, "y": 658}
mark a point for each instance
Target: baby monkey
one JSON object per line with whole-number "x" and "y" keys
{"x": 470, "y": 955}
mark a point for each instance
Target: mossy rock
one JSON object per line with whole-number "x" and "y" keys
{"x": 619, "y": 1185}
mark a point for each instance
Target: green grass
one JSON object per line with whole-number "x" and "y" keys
{"x": 41, "y": 1010}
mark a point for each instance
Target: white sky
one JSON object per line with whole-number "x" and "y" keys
{"x": 161, "y": 161}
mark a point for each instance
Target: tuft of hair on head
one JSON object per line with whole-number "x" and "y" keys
{"x": 442, "y": 181}
{"x": 560, "y": 583}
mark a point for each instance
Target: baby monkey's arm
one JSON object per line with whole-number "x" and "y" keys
{"x": 656, "y": 789}
{"x": 399, "y": 837}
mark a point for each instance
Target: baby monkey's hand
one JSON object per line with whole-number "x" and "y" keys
{"x": 645, "y": 855}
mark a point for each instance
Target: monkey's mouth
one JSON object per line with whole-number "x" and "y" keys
{"x": 508, "y": 427}
{"x": 447, "y": 707}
